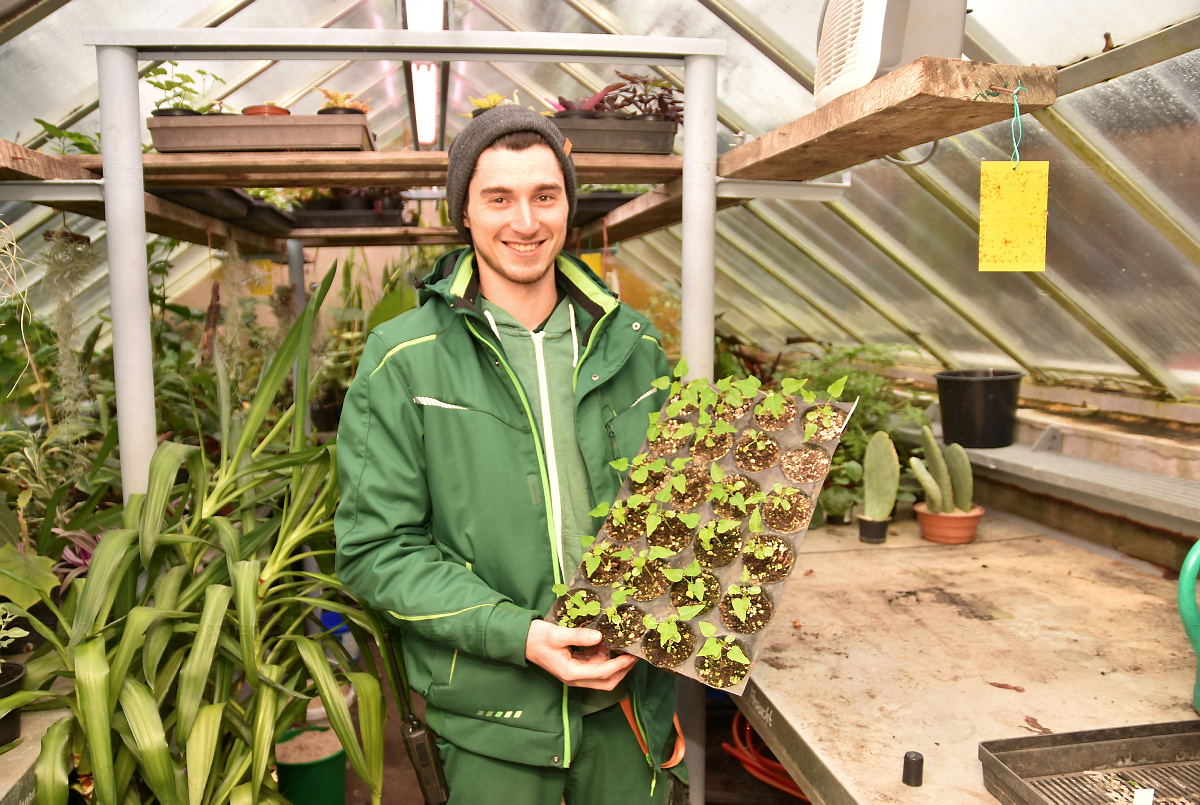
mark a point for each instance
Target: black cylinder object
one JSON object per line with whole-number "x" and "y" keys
{"x": 914, "y": 768}
{"x": 979, "y": 406}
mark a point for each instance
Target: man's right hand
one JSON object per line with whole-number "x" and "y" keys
{"x": 575, "y": 656}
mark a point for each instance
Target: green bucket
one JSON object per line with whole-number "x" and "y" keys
{"x": 315, "y": 782}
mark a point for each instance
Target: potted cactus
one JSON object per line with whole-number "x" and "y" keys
{"x": 947, "y": 515}
{"x": 881, "y": 482}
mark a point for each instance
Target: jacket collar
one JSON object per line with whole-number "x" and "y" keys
{"x": 455, "y": 279}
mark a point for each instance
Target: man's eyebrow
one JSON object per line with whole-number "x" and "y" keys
{"x": 500, "y": 190}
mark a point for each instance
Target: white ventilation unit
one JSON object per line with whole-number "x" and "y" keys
{"x": 860, "y": 40}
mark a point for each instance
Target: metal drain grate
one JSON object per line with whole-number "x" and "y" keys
{"x": 1173, "y": 783}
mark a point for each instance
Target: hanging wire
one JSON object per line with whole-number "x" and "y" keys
{"x": 1017, "y": 131}
{"x": 913, "y": 163}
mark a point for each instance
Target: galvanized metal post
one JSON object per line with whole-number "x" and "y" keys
{"x": 698, "y": 316}
{"x": 699, "y": 213}
{"x": 129, "y": 293}
{"x": 295, "y": 258}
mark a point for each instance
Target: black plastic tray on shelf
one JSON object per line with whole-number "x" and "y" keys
{"x": 1096, "y": 766}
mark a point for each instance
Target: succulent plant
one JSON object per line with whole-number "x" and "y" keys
{"x": 881, "y": 477}
{"x": 947, "y": 478}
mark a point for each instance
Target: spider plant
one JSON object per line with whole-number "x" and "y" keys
{"x": 194, "y": 641}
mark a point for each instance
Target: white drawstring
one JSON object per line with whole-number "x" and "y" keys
{"x": 492, "y": 322}
{"x": 574, "y": 338}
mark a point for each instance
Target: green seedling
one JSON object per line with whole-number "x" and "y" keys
{"x": 576, "y": 606}
{"x": 667, "y": 628}
{"x": 714, "y": 646}
{"x": 708, "y": 534}
{"x": 597, "y": 554}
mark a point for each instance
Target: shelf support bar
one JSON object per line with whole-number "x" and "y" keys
{"x": 699, "y": 214}
{"x": 698, "y": 323}
{"x": 124, "y": 195}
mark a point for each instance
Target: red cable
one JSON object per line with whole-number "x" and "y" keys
{"x": 754, "y": 760}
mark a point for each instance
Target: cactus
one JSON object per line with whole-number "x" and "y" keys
{"x": 881, "y": 477}
{"x": 946, "y": 478}
{"x": 933, "y": 494}
{"x": 961, "y": 480}
{"x": 936, "y": 463}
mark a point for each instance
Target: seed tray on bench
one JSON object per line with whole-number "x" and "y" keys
{"x": 1096, "y": 766}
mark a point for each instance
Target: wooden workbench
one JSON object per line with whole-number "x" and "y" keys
{"x": 877, "y": 650}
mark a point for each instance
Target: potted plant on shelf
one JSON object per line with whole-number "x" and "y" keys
{"x": 947, "y": 515}
{"x": 881, "y": 484}
{"x": 342, "y": 103}
{"x": 183, "y": 94}
{"x": 638, "y": 114}
{"x": 268, "y": 108}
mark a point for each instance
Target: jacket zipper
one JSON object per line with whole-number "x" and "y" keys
{"x": 546, "y": 493}
{"x": 548, "y": 444}
{"x": 615, "y": 449}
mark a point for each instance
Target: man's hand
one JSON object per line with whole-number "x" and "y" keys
{"x": 575, "y": 656}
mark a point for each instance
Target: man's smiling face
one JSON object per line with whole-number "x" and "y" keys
{"x": 517, "y": 212}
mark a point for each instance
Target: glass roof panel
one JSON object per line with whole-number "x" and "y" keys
{"x": 948, "y": 249}
{"x": 833, "y": 240}
{"x": 841, "y": 303}
{"x": 651, "y": 262}
{"x": 1150, "y": 120}
{"x": 1103, "y": 253}
{"x": 1065, "y": 31}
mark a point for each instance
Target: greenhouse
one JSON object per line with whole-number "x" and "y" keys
{"x": 690, "y": 401}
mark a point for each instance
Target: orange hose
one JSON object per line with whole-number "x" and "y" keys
{"x": 755, "y": 762}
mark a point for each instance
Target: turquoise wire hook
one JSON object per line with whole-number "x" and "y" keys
{"x": 1017, "y": 130}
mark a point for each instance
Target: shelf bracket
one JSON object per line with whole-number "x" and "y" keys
{"x": 791, "y": 191}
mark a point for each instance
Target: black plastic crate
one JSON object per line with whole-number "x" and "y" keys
{"x": 1096, "y": 766}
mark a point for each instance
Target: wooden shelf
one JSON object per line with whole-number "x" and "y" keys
{"x": 379, "y": 236}
{"x": 163, "y": 217}
{"x": 360, "y": 169}
{"x": 929, "y": 99}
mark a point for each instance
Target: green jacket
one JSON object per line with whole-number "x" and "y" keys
{"x": 443, "y": 521}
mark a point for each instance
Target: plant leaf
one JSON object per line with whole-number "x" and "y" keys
{"x": 196, "y": 667}
{"x": 52, "y": 770}
{"x": 202, "y": 749}
{"x": 141, "y": 711}
{"x": 95, "y": 710}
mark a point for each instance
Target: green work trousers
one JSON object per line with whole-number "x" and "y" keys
{"x": 609, "y": 769}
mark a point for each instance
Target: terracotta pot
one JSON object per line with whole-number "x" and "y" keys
{"x": 265, "y": 109}
{"x": 953, "y": 528}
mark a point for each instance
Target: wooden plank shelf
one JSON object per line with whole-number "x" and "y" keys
{"x": 163, "y": 217}
{"x": 379, "y": 236}
{"x": 361, "y": 169}
{"x": 929, "y": 99}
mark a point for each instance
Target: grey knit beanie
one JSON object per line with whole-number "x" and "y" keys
{"x": 479, "y": 134}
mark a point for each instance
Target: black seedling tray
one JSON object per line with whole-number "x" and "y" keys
{"x": 1096, "y": 766}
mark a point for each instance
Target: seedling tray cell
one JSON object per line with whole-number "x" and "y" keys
{"x": 1096, "y": 766}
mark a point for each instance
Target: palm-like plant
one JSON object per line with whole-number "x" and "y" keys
{"x": 193, "y": 642}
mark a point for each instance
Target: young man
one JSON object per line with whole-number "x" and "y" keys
{"x": 473, "y": 444}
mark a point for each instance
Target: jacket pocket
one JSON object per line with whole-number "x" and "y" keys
{"x": 627, "y": 426}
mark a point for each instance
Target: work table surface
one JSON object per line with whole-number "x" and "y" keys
{"x": 878, "y": 650}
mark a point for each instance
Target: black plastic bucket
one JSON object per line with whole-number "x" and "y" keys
{"x": 979, "y": 406}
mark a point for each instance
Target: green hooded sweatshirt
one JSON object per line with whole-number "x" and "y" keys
{"x": 446, "y": 522}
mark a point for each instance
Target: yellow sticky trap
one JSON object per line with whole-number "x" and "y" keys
{"x": 259, "y": 283}
{"x": 1012, "y": 216}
